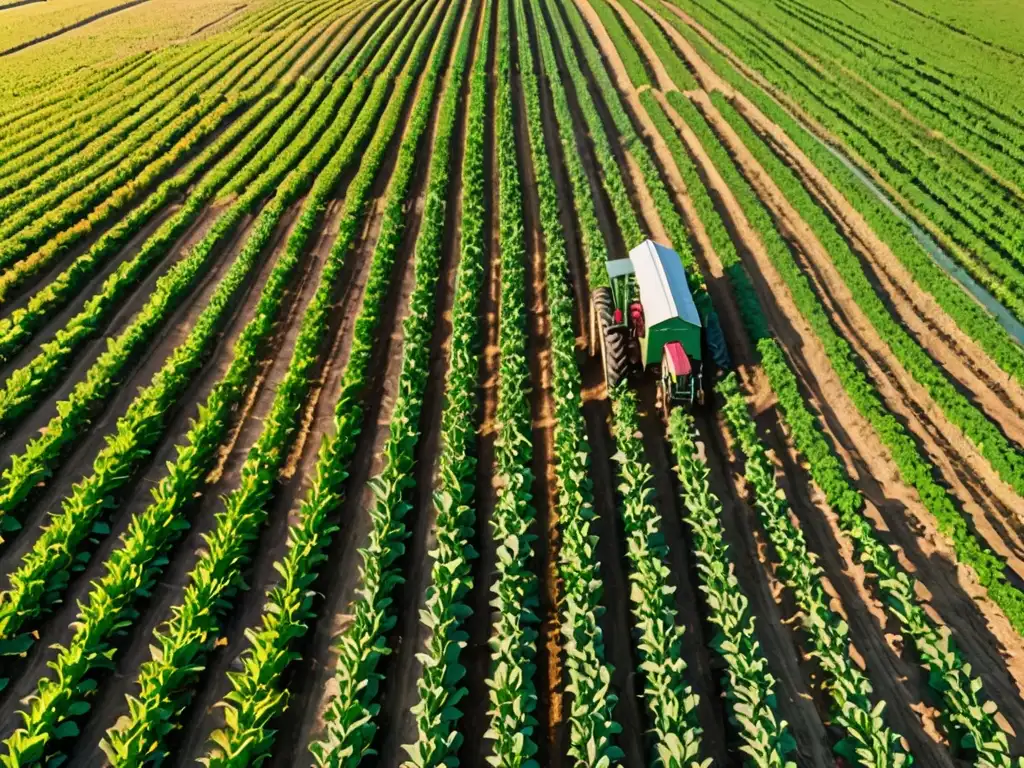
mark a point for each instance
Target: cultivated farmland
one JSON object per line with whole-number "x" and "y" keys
{"x": 512, "y": 382}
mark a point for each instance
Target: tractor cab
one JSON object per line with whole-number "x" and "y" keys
{"x": 648, "y": 318}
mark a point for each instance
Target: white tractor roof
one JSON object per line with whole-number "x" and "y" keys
{"x": 662, "y": 280}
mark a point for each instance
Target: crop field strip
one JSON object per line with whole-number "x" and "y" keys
{"x": 308, "y": 457}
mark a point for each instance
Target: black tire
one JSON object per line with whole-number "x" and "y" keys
{"x": 614, "y": 344}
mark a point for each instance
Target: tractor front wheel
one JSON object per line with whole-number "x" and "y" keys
{"x": 614, "y": 343}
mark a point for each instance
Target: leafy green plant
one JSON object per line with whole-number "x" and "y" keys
{"x": 868, "y": 741}
{"x": 749, "y": 685}
{"x": 166, "y": 680}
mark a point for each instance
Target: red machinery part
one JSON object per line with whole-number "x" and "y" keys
{"x": 676, "y": 360}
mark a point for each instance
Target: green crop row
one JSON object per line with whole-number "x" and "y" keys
{"x": 43, "y": 453}
{"x": 868, "y": 741}
{"x": 887, "y": 224}
{"x": 512, "y": 694}
{"x": 966, "y": 190}
{"x": 243, "y": 137}
{"x": 44, "y": 571}
{"x": 669, "y": 215}
{"x": 351, "y": 722}
{"x": 35, "y": 191}
{"x": 749, "y": 685}
{"x": 633, "y": 63}
{"x": 439, "y": 684}
{"x": 671, "y": 702}
{"x": 974, "y": 126}
{"x": 19, "y": 116}
{"x": 588, "y": 228}
{"x": 17, "y": 329}
{"x": 968, "y": 716}
{"x": 677, "y": 70}
{"x": 611, "y": 176}
{"x": 166, "y": 680}
{"x": 975, "y": 425}
{"x": 913, "y": 467}
{"x": 592, "y": 725}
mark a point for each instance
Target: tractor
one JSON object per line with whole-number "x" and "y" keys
{"x": 647, "y": 319}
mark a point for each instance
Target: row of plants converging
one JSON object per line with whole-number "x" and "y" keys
{"x": 749, "y": 685}
{"x": 439, "y": 686}
{"x": 592, "y": 725}
{"x": 868, "y": 741}
{"x": 43, "y": 454}
{"x": 257, "y": 694}
{"x": 1004, "y": 457}
{"x": 17, "y": 328}
{"x": 968, "y": 716}
{"x": 243, "y": 137}
{"x": 134, "y": 567}
{"x": 917, "y": 471}
{"x": 43, "y": 573}
{"x": 165, "y": 682}
{"x": 137, "y": 140}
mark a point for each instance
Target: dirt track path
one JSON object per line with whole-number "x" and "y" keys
{"x": 476, "y": 655}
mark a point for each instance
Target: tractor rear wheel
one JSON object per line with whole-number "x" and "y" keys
{"x": 614, "y": 344}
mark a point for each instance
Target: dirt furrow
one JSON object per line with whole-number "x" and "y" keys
{"x": 476, "y": 655}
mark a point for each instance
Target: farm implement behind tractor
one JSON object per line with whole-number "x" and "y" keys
{"x": 648, "y": 319}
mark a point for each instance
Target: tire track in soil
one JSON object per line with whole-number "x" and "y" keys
{"x": 702, "y": 675}
{"x": 476, "y": 656}
{"x": 616, "y": 621}
{"x": 110, "y": 701}
{"x": 311, "y": 679}
{"x": 549, "y": 677}
{"x": 972, "y": 478}
{"x": 79, "y": 458}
